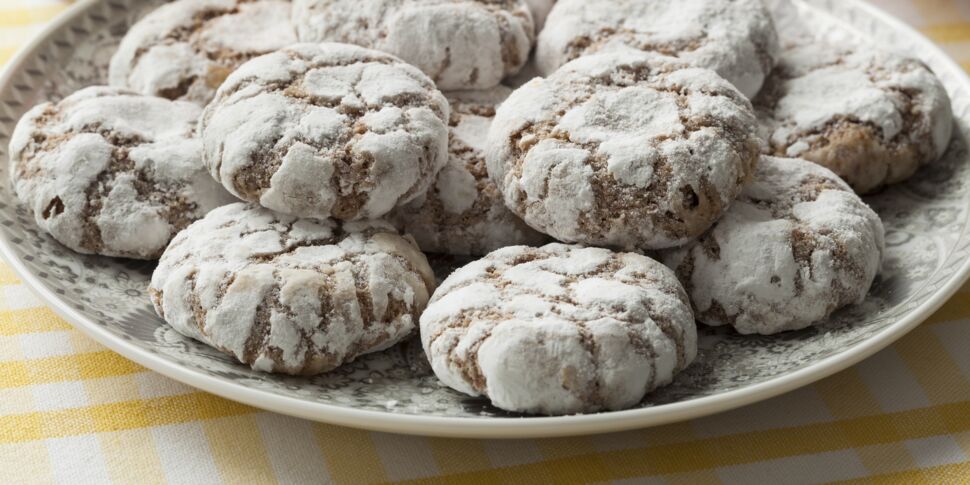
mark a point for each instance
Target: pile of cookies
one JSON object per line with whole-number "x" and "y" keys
{"x": 291, "y": 164}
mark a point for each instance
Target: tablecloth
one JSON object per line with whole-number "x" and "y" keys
{"x": 73, "y": 412}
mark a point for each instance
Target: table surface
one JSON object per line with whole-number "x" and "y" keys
{"x": 73, "y": 412}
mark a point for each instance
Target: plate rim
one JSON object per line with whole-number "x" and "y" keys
{"x": 483, "y": 427}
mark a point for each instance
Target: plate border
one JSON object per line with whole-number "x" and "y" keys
{"x": 519, "y": 428}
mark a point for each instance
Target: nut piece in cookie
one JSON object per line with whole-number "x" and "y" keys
{"x": 464, "y": 213}
{"x": 108, "y": 171}
{"x": 870, "y": 116}
{"x": 185, "y": 49}
{"x": 626, "y": 149}
{"x": 797, "y": 245}
{"x": 559, "y": 329}
{"x": 461, "y": 44}
{"x": 288, "y": 295}
{"x": 326, "y": 130}
{"x": 735, "y": 38}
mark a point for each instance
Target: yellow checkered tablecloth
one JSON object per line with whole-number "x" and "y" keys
{"x": 73, "y": 412}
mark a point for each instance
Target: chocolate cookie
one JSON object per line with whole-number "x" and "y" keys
{"x": 796, "y": 246}
{"x": 870, "y": 116}
{"x": 559, "y": 329}
{"x": 108, "y": 171}
{"x": 288, "y": 295}
{"x": 735, "y": 38}
{"x": 326, "y": 130}
{"x": 624, "y": 149}
{"x": 461, "y": 44}
{"x": 185, "y": 49}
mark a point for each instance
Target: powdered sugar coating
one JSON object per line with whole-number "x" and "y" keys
{"x": 797, "y": 245}
{"x": 736, "y": 38}
{"x": 559, "y": 329}
{"x": 111, "y": 172}
{"x": 326, "y": 130}
{"x": 288, "y": 295}
{"x": 461, "y": 44}
{"x": 463, "y": 213}
{"x": 871, "y": 116}
{"x": 624, "y": 149}
{"x": 185, "y": 49}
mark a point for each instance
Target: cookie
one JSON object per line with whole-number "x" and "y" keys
{"x": 464, "y": 213}
{"x": 185, "y": 49}
{"x": 108, "y": 171}
{"x": 326, "y": 130}
{"x": 870, "y": 116}
{"x": 624, "y": 149}
{"x": 288, "y": 295}
{"x": 736, "y": 38}
{"x": 559, "y": 329}
{"x": 796, "y": 246}
{"x": 461, "y": 44}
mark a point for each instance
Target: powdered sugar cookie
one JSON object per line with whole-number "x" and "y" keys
{"x": 796, "y": 246}
{"x": 185, "y": 49}
{"x": 559, "y": 329}
{"x": 326, "y": 130}
{"x": 461, "y": 44}
{"x": 736, "y": 38}
{"x": 288, "y": 295}
{"x": 111, "y": 172}
{"x": 463, "y": 213}
{"x": 624, "y": 149}
{"x": 870, "y": 116}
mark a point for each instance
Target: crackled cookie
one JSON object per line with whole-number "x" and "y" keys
{"x": 624, "y": 149}
{"x": 112, "y": 172}
{"x": 185, "y": 49}
{"x": 736, "y": 38}
{"x": 463, "y": 213}
{"x": 796, "y": 246}
{"x": 559, "y": 329}
{"x": 289, "y": 295}
{"x": 461, "y": 44}
{"x": 326, "y": 130}
{"x": 870, "y": 116}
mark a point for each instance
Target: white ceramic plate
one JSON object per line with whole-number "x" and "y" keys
{"x": 928, "y": 244}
